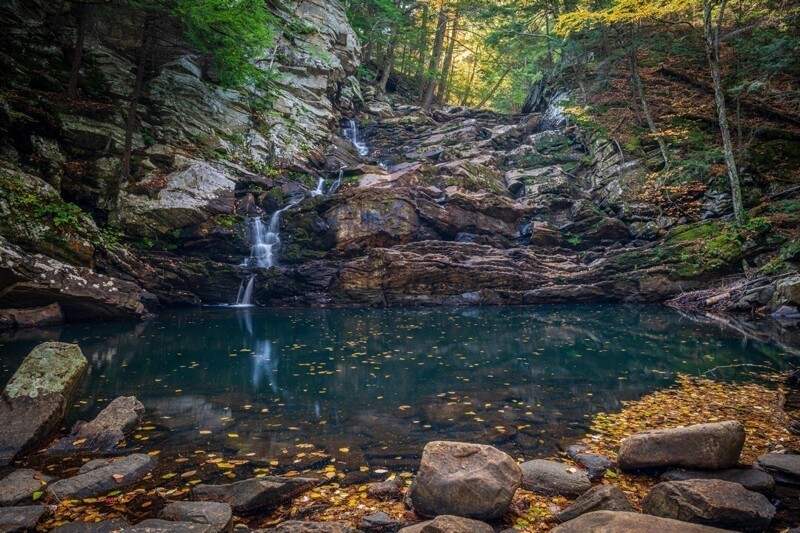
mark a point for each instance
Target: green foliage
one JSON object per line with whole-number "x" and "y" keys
{"x": 61, "y": 214}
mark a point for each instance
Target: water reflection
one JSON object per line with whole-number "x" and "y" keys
{"x": 381, "y": 383}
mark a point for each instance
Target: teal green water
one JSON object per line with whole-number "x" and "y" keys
{"x": 381, "y": 383}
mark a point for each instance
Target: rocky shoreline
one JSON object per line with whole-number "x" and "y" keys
{"x": 692, "y": 478}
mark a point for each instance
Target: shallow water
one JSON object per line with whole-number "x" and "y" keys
{"x": 371, "y": 387}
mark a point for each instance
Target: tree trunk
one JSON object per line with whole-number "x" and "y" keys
{"x": 639, "y": 88}
{"x": 444, "y": 79}
{"x": 130, "y": 125}
{"x": 711, "y": 34}
{"x": 470, "y": 80}
{"x": 423, "y": 50}
{"x": 389, "y": 61}
{"x": 494, "y": 89}
{"x": 72, "y": 88}
{"x": 436, "y": 58}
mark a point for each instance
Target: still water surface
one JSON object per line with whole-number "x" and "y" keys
{"x": 371, "y": 387}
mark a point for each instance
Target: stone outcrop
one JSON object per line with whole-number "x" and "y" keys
{"x": 469, "y": 480}
{"x": 254, "y": 495}
{"x": 36, "y": 398}
{"x": 713, "y": 446}
{"x": 101, "y": 476}
{"x": 710, "y": 502}
{"x": 48, "y": 315}
{"x": 103, "y": 434}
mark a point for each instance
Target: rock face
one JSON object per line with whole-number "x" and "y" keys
{"x": 19, "y": 486}
{"x": 469, "y": 480}
{"x": 622, "y": 522}
{"x": 105, "y": 432}
{"x": 102, "y": 476}
{"x": 449, "y": 524}
{"x": 711, "y": 446}
{"x": 214, "y": 514}
{"x": 36, "y": 398}
{"x": 254, "y": 495}
{"x": 49, "y": 315}
{"x": 550, "y": 478}
{"x": 599, "y": 498}
{"x": 750, "y": 478}
{"x": 710, "y": 502}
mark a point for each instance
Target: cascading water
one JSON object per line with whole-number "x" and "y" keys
{"x": 320, "y": 190}
{"x": 265, "y": 238}
{"x": 351, "y": 133}
{"x": 336, "y": 184}
{"x": 245, "y": 296}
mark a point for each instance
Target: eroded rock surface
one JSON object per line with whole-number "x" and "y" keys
{"x": 254, "y": 495}
{"x": 102, "y": 476}
{"x": 105, "y": 433}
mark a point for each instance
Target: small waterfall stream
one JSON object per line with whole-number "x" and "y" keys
{"x": 320, "y": 190}
{"x": 245, "y": 296}
{"x": 352, "y": 134}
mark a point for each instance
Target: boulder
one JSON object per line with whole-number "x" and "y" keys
{"x": 710, "y": 502}
{"x": 624, "y": 522}
{"x": 594, "y": 464}
{"x": 549, "y": 477}
{"x": 21, "y": 518}
{"x": 750, "y": 478}
{"x": 36, "y": 398}
{"x": 296, "y": 526}
{"x": 254, "y": 495}
{"x": 108, "y": 526}
{"x": 599, "y": 498}
{"x": 19, "y": 486}
{"x": 449, "y": 524}
{"x": 713, "y": 446}
{"x": 101, "y": 476}
{"x": 48, "y": 315}
{"x": 215, "y": 514}
{"x": 785, "y": 468}
{"x": 386, "y": 490}
{"x": 165, "y": 526}
{"x": 470, "y": 480}
{"x": 380, "y": 522}
{"x": 103, "y": 434}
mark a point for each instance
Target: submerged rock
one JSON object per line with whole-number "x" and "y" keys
{"x": 215, "y": 514}
{"x": 19, "y": 486}
{"x": 550, "y": 477}
{"x": 449, "y": 524}
{"x": 48, "y": 315}
{"x": 254, "y": 495}
{"x": 750, "y": 478}
{"x": 470, "y": 480}
{"x": 624, "y": 522}
{"x": 713, "y": 446}
{"x": 710, "y": 502}
{"x": 105, "y": 432}
{"x": 599, "y": 498}
{"x": 101, "y": 476}
{"x": 36, "y": 398}
{"x": 25, "y": 518}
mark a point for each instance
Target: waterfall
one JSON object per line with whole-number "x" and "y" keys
{"x": 265, "y": 238}
{"x": 336, "y": 184}
{"x": 320, "y": 190}
{"x": 351, "y": 134}
{"x": 245, "y": 296}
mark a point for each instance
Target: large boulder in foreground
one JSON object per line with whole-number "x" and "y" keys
{"x": 712, "y": 446}
{"x": 18, "y": 486}
{"x": 255, "y": 495}
{"x": 551, "y": 478}
{"x": 449, "y": 524}
{"x": 623, "y": 522}
{"x": 36, "y": 398}
{"x": 469, "y": 480}
{"x": 103, "y": 434}
{"x": 101, "y": 476}
{"x": 599, "y": 498}
{"x": 710, "y": 502}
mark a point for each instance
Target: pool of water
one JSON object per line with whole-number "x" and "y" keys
{"x": 371, "y": 387}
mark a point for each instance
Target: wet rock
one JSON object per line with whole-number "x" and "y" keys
{"x": 595, "y": 465}
{"x": 254, "y": 495}
{"x": 449, "y": 524}
{"x": 49, "y": 315}
{"x": 599, "y": 498}
{"x": 101, "y": 476}
{"x": 549, "y": 477}
{"x": 385, "y": 491}
{"x": 785, "y": 468}
{"x": 750, "y": 478}
{"x": 623, "y": 522}
{"x": 215, "y": 514}
{"x": 710, "y": 502}
{"x": 36, "y": 398}
{"x": 380, "y": 522}
{"x": 109, "y": 526}
{"x": 165, "y": 526}
{"x": 105, "y": 433}
{"x": 21, "y": 518}
{"x": 19, "y": 486}
{"x": 470, "y": 480}
{"x": 712, "y": 446}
